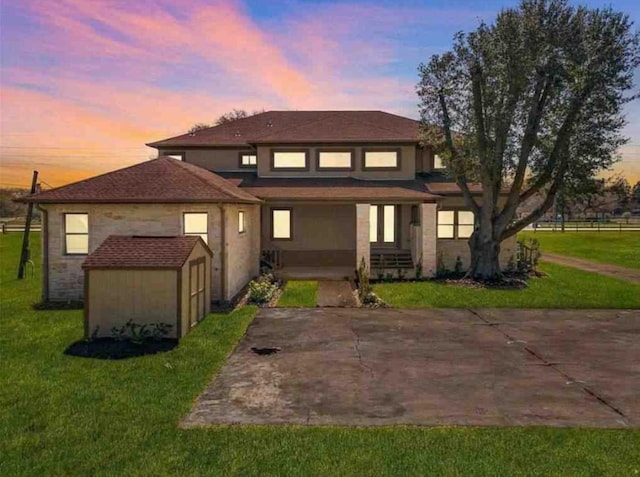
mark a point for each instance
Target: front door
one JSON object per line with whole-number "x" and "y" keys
{"x": 383, "y": 226}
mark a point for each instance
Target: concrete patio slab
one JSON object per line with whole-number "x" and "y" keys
{"x": 363, "y": 367}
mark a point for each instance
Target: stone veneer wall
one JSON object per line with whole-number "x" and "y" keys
{"x": 363, "y": 247}
{"x": 243, "y": 249}
{"x": 65, "y": 275}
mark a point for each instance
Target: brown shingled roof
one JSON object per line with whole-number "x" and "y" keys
{"x": 162, "y": 180}
{"x": 123, "y": 251}
{"x": 330, "y": 189}
{"x": 303, "y": 126}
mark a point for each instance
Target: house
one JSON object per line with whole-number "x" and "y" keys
{"x": 307, "y": 191}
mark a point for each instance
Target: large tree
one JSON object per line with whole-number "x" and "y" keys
{"x": 528, "y": 105}
{"x": 229, "y": 117}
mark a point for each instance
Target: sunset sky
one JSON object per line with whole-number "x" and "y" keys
{"x": 85, "y": 83}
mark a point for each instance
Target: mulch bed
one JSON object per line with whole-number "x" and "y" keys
{"x": 108, "y": 348}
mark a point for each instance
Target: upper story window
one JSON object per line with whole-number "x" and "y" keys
{"x": 195, "y": 223}
{"x": 248, "y": 159}
{"x": 292, "y": 160}
{"x": 388, "y": 159}
{"x": 76, "y": 234}
{"x": 437, "y": 162}
{"x": 334, "y": 160}
{"x": 178, "y": 155}
{"x": 455, "y": 223}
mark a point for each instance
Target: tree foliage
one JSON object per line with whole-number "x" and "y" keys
{"x": 229, "y": 117}
{"x": 530, "y": 104}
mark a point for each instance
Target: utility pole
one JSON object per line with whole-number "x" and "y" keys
{"x": 24, "y": 256}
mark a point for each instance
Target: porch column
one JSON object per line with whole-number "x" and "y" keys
{"x": 428, "y": 239}
{"x": 363, "y": 247}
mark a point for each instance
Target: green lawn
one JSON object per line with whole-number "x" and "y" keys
{"x": 618, "y": 248}
{"x": 299, "y": 294}
{"x": 563, "y": 288}
{"x": 67, "y": 416}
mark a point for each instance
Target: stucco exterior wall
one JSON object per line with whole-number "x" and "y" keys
{"x": 65, "y": 276}
{"x": 407, "y": 163}
{"x": 220, "y": 159}
{"x": 242, "y": 249}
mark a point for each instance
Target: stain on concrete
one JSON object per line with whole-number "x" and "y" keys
{"x": 368, "y": 367}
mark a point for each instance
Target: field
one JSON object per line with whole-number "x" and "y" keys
{"x": 618, "y": 248}
{"x": 64, "y": 415}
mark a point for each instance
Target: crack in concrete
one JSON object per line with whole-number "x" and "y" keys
{"x": 357, "y": 348}
{"x": 553, "y": 365}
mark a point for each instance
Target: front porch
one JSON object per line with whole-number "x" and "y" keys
{"x": 330, "y": 241}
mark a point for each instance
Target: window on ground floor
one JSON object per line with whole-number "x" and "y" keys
{"x": 455, "y": 223}
{"x": 241, "y": 223}
{"x": 281, "y": 228}
{"x": 76, "y": 234}
{"x": 195, "y": 223}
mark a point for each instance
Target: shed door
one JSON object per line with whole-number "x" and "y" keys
{"x": 197, "y": 295}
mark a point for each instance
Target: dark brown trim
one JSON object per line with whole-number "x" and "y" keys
{"x": 87, "y": 332}
{"x": 352, "y": 151}
{"x": 380, "y": 227}
{"x": 247, "y": 153}
{"x": 274, "y": 151}
{"x": 397, "y": 150}
{"x": 179, "y": 303}
{"x": 64, "y": 235}
{"x": 291, "y": 231}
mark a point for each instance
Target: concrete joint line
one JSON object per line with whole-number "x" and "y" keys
{"x": 357, "y": 348}
{"x": 552, "y": 365}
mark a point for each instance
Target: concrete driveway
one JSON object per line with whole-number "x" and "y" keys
{"x": 431, "y": 367}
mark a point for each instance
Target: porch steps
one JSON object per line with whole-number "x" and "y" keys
{"x": 395, "y": 259}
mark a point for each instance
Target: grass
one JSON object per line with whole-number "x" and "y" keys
{"x": 563, "y": 288}
{"x": 67, "y": 416}
{"x": 618, "y": 248}
{"x": 299, "y": 294}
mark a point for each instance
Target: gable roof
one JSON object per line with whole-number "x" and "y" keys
{"x": 127, "y": 251}
{"x": 161, "y": 180}
{"x": 330, "y": 188}
{"x": 302, "y": 127}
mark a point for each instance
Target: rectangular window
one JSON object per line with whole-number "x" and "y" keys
{"x": 381, "y": 159}
{"x": 195, "y": 223}
{"x": 248, "y": 160}
{"x": 437, "y": 162}
{"x": 446, "y": 220}
{"x": 76, "y": 234}
{"x": 389, "y": 231}
{"x": 289, "y": 160}
{"x": 465, "y": 223}
{"x": 241, "y": 224}
{"x": 281, "y": 224}
{"x": 373, "y": 223}
{"x": 335, "y": 160}
{"x": 179, "y": 156}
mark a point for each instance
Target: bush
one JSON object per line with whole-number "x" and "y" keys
{"x": 137, "y": 333}
{"x": 261, "y": 290}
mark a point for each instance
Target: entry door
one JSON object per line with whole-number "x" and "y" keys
{"x": 197, "y": 296}
{"x": 383, "y": 225}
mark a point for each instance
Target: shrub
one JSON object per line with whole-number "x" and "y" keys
{"x": 527, "y": 255}
{"x": 137, "y": 333}
{"x": 457, "y": 268}
{"x": 261, "y": 290}
{"x": 419, "y": 268}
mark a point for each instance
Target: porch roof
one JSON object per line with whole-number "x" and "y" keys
{"x": 330, "y": 189}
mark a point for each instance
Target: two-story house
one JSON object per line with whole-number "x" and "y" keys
{"x": 313, "y": 192}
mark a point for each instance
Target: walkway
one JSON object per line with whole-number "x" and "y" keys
{"x": 615, "y": 271}
{"x": 336, "y": 293}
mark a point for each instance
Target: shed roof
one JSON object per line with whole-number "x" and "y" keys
{"x": 302, "y": 127}
{"x": 161, "y": 180}
{"x": 131, "y": 251}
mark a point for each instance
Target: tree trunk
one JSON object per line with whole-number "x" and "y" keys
{"x": 485, "y": 257}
